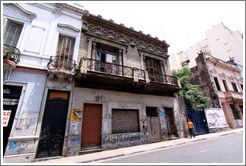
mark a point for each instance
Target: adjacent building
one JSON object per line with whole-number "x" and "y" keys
{"x": 33, "y": 34}
{"x": 220, "y": 41}
{"x": 74, "y": 81}
{"x": 221, "y": 82}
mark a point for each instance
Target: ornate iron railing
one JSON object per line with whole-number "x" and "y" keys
{"x": 125, "y": 71}
{"x": 11, "y": 53}
{"x": 63, "y": 63}
{"x": 165, "y": 79}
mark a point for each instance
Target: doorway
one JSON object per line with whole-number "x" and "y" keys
{"x": 91, "y": 126}
{"x": 11, "y": 96}
{"x": 53, "y": 124}
{"x": 170, "y": 122}
{"x": 153, "y": 124}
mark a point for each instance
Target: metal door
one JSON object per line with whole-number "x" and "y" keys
{"x": 91, "y": 126}
{"x": 53, "y": 125}
{"x": 199, "y": 120}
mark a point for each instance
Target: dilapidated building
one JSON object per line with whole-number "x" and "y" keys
{"x": 123, "y": 93}
{"x": 81, "y": 83}
{"x": 222, "y": 83}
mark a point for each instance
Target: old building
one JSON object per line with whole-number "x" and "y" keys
{"x": 124, "y": 94}
{"x": 221, "y": 82}
{"x": 74, "y": 83}
{"x": 32, "y": 36}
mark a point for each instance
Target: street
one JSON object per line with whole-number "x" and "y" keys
{"x": 224, "y": 149}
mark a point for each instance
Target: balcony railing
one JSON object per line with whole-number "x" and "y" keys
{"x": 165, "y": 79}
{"x": 114, "y": 69}
{"x": 62, "y": 63}
{"x": 11, "y": 53}
{"x": 124, "y": 71}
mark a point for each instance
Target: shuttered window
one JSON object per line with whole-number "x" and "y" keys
{"x": 12, "y": 33}
{"x": 65, "y": 47}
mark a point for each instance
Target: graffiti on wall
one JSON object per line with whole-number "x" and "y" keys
{"x": 117, "y": 138}
{"x": 99, "y": 99}
{"x": 14, "y": 145}
{"x": 216, "y": 118}
{"x": 74, "y": 141}
{"x": 76, "y": 114}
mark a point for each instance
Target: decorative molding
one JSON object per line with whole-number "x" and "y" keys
{"x": 14, "y": 10}
{"x": 117, "y": 33}
{"x": 68, "y": 26}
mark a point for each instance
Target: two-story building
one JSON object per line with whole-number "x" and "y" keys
{"x": 74, "y": 83}
{"x": 33, "y": 34}
{"x": 222, "y": 83}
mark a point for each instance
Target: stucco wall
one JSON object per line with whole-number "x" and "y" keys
{"x": 121, "y": 100}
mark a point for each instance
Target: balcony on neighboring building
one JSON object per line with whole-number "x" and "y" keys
{"x": 11, "y": 56}
{"x": 61, "y": 67}
{"x": 103, "y": 75}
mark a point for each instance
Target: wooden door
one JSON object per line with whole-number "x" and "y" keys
{"x": 91, "y": 126}
{"x": 170, "y": 122}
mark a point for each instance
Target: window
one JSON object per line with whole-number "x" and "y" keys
{"x": 106, "y": 54}
{"x": 151, "y": 111}
{"x": 185, "y": 63}
{"x": 64, "y": 53}
{"x": 217, "y": 83}
{"x": 242, "y": 86}
{"x": 12, "y": 33}
{"x": 234, "y": 86}
{"x": 225, "y": 85}
{"x": 65, "y": 46}
{"x": 154, "y": 69}
{"x": 125, "y": 121}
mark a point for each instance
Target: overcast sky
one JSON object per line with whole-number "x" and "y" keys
{"x": 181, "y": 23}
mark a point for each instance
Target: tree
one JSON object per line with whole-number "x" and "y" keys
{"x": 194, "y": 99}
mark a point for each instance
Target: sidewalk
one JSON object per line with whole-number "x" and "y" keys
{"x": 136, "y": 149}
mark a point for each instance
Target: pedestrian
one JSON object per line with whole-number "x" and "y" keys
{"x": 191, "y": 128}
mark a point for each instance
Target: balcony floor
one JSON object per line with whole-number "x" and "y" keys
{"x": 117, "y": 83}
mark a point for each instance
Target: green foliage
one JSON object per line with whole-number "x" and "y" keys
{"x": 234, "y": 110}
{"x": 194, "y": 99}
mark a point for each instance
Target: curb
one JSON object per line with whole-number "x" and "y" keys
{"x": 146, "y": 148}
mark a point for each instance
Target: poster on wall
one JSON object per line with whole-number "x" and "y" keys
{"x": 6, "y": 116}
{"x": 216, "y": 118}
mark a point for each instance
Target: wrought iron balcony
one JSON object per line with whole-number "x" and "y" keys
{"x": 97, "y": 74}
{"x": 163, "y": 79}
{"x": 11, "y": 53}
{"x": 62, "y": 67}
{"x": 114, "y": 69}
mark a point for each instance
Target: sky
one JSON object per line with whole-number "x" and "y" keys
{"x": 181, "y": 24}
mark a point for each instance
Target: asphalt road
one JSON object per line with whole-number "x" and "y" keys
{"x": 224, "y": 149}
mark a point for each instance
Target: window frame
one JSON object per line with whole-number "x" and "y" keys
{"x": 234, "y": 86}
{"x": 217, "y": 83}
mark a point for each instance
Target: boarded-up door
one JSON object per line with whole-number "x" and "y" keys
{"x": 170, "y": 122}
{"x": 91, "y": 126}
{"x": 153, "y": 124}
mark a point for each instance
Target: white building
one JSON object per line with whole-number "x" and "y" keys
{"x": 220, "y": 42}
{"x": 33, "y": 30}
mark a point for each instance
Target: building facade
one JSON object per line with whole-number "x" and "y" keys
{"x": 74, "y": 81}
{"x": 221, "y": 82}
{"x": 220, "y": 41}
{"x": 124, "y": 94}
{"x": 31, "y": 33}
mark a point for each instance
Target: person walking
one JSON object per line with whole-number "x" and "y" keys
{"x": 191, "y": 128}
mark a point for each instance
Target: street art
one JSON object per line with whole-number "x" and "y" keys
{"x": 216, "y": 118}
{"x": 14, "y": 145}
{"x": 100, "y": 99}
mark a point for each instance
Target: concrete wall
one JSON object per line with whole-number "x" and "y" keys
{"x": 120, "y": 100}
